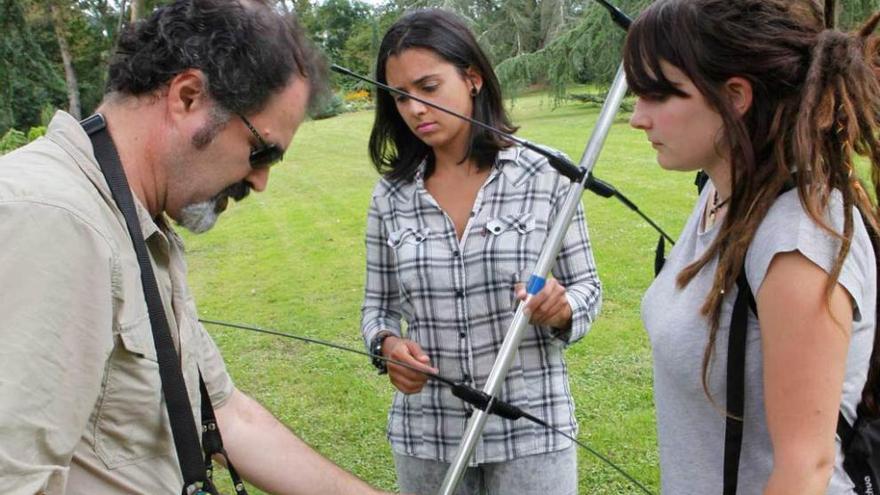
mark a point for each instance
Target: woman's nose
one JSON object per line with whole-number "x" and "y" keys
{"x": 639, "y": 118}
{"x": 416, "y": 107}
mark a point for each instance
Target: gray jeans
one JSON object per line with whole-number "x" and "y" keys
{"x": 554, "y": 473}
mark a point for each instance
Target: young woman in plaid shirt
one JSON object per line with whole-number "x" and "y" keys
{"x": 455, "y": 225}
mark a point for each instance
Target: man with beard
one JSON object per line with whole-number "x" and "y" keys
{"x": 202, "y": 98}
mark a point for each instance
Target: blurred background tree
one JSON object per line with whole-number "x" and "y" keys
{"x": 54, "y": 53}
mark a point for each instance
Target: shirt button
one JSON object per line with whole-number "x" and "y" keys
{"x": 468, "y": 413}
{"x": 462, "y": 334}
{"x": 459, "y": 293}
{"x": 467, "y": 377}
{"x": 456, "y": 254}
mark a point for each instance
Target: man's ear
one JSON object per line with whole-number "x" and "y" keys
{"x": 474, "y": 77}
{"x": 187, "y": 94}
{"x": 739, "y": 94}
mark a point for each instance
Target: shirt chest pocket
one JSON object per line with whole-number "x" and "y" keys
{"x": 511, "y": 250}
{"x": 412, "y": 252}
{"x": 511, "y": 246}
{"x": 518, "y": 223}
{"x": 132, "y": 424}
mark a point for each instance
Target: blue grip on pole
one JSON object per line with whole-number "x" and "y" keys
{"x": 535, "y": 284}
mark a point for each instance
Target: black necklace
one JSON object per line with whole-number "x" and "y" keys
{"x": 716, "y": 206}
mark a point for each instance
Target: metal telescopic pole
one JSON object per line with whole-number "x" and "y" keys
{"x": 545, "y": 263}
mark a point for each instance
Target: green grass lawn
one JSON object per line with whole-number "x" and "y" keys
{"x": 292, "y": 259}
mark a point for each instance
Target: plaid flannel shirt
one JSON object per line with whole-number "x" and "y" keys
{"x": 457, "y": 298}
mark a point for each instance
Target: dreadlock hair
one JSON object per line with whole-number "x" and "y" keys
{"x": 816, "y": 104}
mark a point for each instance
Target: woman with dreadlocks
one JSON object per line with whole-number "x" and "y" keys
{"x": 773, "y": 105}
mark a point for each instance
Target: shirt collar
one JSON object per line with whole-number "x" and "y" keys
{"x": 65, "y": 130}
{"x": 519, "y": 164}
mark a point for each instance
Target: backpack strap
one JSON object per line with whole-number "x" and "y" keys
{"x": 736, "y": 359}
{"x": 844, "y": 430}
{"x": 736, "y": 363}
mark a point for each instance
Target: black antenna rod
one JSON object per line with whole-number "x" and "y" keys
{"x": 557, "y": 161}
{"x": 617, "y": 15}
{"x": 476, "y": 398}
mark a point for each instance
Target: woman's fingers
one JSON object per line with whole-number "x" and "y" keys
{"x": 549, "y": 306}
{"x": 409, "y": 352}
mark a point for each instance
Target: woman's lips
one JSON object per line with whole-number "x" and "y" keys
{"x": 427, "y": 127}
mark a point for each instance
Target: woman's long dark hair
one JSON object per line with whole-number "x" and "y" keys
{"x": 816, "y": 104}
{"x": 395, "y": 151}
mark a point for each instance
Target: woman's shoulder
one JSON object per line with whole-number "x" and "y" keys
{"x": 393, "y": 189}
{"x": 788, "y": 219}
{"x": 522, "y": 156}
{"x": 788, "y": 226}
{"x": 521, "y": 164}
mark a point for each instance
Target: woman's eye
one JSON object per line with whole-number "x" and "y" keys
{"x": 654, "y": 97}
{"x": 430, "y": 89}
{"x": 400, "y": 98}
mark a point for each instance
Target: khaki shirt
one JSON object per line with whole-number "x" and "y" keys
{"x": 81, "y": 407}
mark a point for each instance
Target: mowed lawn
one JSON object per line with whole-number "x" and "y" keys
{"x": 292, "y": 259}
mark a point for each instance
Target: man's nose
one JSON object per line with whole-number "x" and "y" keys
{"x": 258, "y": 179}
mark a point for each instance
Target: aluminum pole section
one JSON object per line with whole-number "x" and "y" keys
{"x": 545, "y": 263}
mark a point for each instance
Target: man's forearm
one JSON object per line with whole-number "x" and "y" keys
{"x": 269, "y": 455}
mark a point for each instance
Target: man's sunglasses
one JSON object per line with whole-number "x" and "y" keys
{"x": 266, "y": 154}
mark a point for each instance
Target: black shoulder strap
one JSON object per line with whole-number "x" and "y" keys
{"x": 183, "y": 426}
{"x": 700, "y": 180}
{"x": 736, "y": 359}
{"x": 736, "y": 364}
{"x": 212, "y": 442}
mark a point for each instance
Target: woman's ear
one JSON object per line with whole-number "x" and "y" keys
{"x": 739, "y": 94}
{"x": 474, "y": 78}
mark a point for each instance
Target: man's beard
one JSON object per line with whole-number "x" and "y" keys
{"x": 200, "y": 217}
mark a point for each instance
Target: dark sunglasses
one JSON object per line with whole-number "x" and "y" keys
{"x": 266, "y": 154}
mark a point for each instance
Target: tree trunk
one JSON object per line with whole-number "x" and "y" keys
{"x": 121, "y": 24}
{"x": 67, "y": 60}
{"x": 137, "y": 10}
{"x": 552, "y": 21}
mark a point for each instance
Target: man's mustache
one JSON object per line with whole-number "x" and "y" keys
{"x": 237, "y": 191}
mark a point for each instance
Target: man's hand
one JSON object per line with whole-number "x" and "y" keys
{"x": 549, "y": 307}
{"x": 410, "y": 352}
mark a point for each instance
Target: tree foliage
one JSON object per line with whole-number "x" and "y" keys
{"x": 590, "y": 51}
{"x": 548, "y": 42}
{"x": 28, "y": 79}
{"x": 851, "y": 13}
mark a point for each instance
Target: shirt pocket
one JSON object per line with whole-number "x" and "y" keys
{"x": 512, "y": 250}
{"x": 522, "y": 223}
{"x": 131, "y": 422}
{"x": 411, "y": 252}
